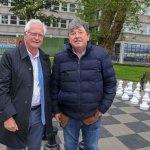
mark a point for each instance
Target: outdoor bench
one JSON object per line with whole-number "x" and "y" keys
{"x": 145, "y": 77}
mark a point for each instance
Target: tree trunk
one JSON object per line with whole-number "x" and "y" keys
{"x": 111, "y": 29}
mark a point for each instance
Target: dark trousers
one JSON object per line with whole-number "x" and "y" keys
{"x": 35, "y": 132}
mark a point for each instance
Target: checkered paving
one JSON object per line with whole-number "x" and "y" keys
{"x": 124, "y": 127}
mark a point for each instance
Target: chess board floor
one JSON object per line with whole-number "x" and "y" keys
{"x": 124, "y": 127}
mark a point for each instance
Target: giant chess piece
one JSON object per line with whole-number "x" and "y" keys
{"x": 119, "y": 91}
{"x": 134, "y": 100}
{"x": 137, "y": 92}
{"x": 144, "y": 105}
{"x": 147, "y": 90}
{"x": 51, "y": 133}
{"x": 52, "y": 144}
{"x": 145, "y": 100}
{"x": 130, "y": 88}
{"x": 81, "y": 145}
{"x": 120, "y": 82}
{"x": 125, "y": 96}
{"x": 138, "y": 87}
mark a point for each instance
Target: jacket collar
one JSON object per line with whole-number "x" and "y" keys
{"x": 23, "y": 52}
{"x": 88, "y": 48}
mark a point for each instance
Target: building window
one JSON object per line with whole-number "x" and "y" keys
{"x": 136, "y": 52}
{"x": 147, "y": 11}
{"x": 5, "y": 3}
{"x": 12, "y": 3}
{"x": 55, "y": 23}
{"x": 4, "y": 19}
{"x": 72, "y": 7}
{"x": 116, "y": 52}
{"x": 64, "y": 7}
{"x": 13, "y": 19}
{"x": 63, "y": 23}
{"x": 144, "y": 28}
{"x": 56, "y": 7}
{"x": 149, "y": 29}
{"x": 21, "y": 21}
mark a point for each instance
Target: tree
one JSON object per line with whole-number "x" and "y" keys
{"x": 27, "y": 9}
{"x": 110, "y": 16}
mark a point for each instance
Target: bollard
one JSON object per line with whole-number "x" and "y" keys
{"x": 44, "y": 134}
{"x": 81, "y": 145}
{"x": 52, "y": 144}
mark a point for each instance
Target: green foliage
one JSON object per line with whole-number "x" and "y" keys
{"x": 52, "y": 45}
{"x": 109, "y": 16}
{"x": 90, "y": 11}
{"x": 27, "y": 9}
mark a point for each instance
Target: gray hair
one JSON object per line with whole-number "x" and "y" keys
{"x": 34, "y": 21}
{"x": 75, "y": 24}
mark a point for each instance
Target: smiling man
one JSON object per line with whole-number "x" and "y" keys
{"x": 83, "y": 87}
{"x": 24, "y": 91}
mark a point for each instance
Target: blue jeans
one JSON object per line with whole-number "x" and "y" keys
{"x": 90, "y": 134}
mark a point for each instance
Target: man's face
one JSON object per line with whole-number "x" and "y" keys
{"x": 34, "y": 37}
{"x": 78, "y": 38}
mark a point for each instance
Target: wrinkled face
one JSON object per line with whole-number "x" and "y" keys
{"x": 78, "y": 38}
{"x": 34, "y": 37}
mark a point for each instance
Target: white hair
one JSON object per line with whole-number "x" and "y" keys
{"x": 34, "y": 21}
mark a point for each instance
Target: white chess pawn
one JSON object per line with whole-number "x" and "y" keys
{"x": 147, "y": 87}
{"x": 120, "y": 81}
{"x": 137, "y": 94}
{"x": 130, "y": 88}
{"x": 120, "y": 87}
{"x": 120, "y": 84}
{"x": 144, "y": 106}
{"x": 125, "y": 95}
{"x": 146, "y": 97}
{"x": 138, "y": 86}
{"x": 134, "y": 100}
{"x": 119, "y": 92}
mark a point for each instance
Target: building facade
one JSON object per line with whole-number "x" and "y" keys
{"x": 12, "y": 27}
{"x": 134, "y": 45}
{"x": 131, "y": 46}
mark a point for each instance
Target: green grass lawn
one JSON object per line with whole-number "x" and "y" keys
{"x": 130, "y": 73}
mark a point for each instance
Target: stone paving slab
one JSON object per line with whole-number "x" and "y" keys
{"x": 124, "y": 127}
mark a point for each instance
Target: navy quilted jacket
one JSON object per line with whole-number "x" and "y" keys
{"x": 81, "y": 87}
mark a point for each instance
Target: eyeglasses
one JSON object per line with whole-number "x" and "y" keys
{"x": 32, "y": 34}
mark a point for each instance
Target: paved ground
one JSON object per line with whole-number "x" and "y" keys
{"x": 124, "y": 127}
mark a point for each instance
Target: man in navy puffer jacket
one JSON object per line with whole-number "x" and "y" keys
{"x": 83, "y": 87}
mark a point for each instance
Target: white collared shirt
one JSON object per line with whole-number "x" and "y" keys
{"x": 36, "y": 85}
{"x": 81, "y": 54}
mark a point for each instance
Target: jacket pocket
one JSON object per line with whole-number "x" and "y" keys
{"x": 92, "y": 119}
{"x": 63, "y": 120}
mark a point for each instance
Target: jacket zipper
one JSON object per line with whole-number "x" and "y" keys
{"x": 79, "y": 84}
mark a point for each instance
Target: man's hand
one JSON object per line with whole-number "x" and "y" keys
{"x": 10, "y": 124}
{"x": 100, "y": 114}
{"x": 57, "y": 117}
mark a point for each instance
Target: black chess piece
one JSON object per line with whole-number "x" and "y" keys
{"x": 81, "y": 145}
{"x": 51, "y": 137}
{"x": 51, "y": 132}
